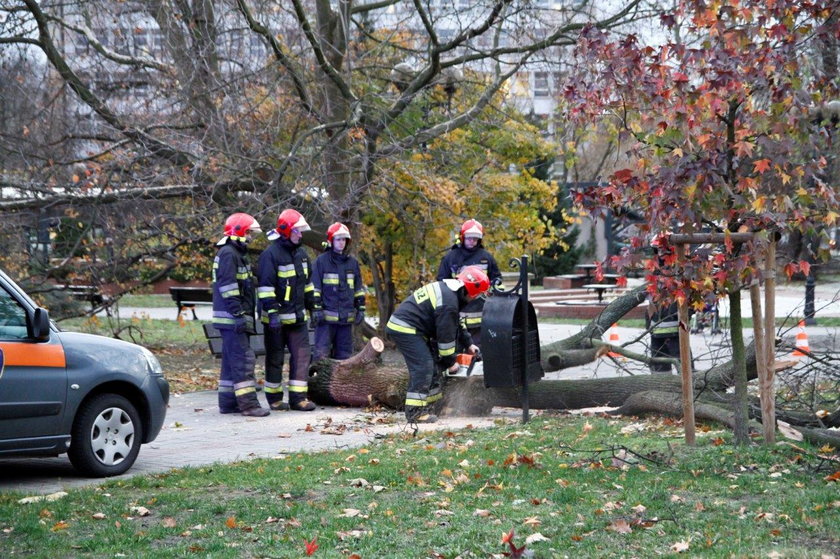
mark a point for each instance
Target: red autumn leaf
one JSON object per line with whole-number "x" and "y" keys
{"x": 761, "y": 165}
{"x": 833, "y": 477}
{"x": 623, "y": 175}
{"x": 231, "y": 522}
{"x": 310, "y": 547}
{"x": 804, "y": 267}
{"x": 790, "y": 269}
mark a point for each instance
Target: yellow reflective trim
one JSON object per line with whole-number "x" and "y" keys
{"x": 273, "y": 390}
{"x": 403, "y": 329}
{"x": 243, "y": 391}
{"x": 285, "y": 273}
{"x": 293, "y": 388}
{"x": 288, "y": 296}
{"x": 413, "y": 402}
{"x": 445, "y": 352}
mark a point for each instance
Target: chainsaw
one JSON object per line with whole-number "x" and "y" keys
{"x": 467, "y": 365}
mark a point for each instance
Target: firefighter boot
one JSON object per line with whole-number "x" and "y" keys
{"x": 419, "y": 414}
{"x": 279, "y": 406}
{"x": 249, "y": 405}
{"x": 299, "y": 402}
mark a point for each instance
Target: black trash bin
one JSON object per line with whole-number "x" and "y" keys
{"x": 502, "y": 343}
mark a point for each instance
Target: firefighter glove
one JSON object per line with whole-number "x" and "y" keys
{"x": 317, "y": 316}
{"x": 240, "y": 324}
{"x": 274, "y": 322}
{"x": 360, "y": 316}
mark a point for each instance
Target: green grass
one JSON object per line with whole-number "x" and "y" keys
{"x": 157, "y": 301}
{"x": 455, "y": 494}
{"x": 149, "y": 332}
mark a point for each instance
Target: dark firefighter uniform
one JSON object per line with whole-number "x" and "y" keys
{"x": 340, "y": 293}
{"x": 426, "y": 328}
{"x": 457, "y": 259}
{"x": 233, "y": 300}
{"x": 664, "y": 335}
{"x": 284, "y": 294}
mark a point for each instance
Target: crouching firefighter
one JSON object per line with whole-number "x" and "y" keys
{"x": 430, "y": 316}
{"x": 233, "y": 316}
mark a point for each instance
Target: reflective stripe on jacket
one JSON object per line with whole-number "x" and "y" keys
{"x": 339, "y": 289}
{"x": 432, "y": 312}
{"x": 457, "y": 259}
{"x": 284, "y": 285}
{"x": 233, "y": 286}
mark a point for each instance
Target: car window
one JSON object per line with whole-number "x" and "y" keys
{"x": 12, "y": 318}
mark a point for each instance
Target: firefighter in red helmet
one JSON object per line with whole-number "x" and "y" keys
{"x": 469, "y": 251}
{"x": 285, "y": 293}
{"x": 431, "y": 314}
{"x": 339, "y": 293}
{"x": 233, "y": 316}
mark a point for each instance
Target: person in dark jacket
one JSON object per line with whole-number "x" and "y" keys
{"x": 426, "y": 328}
{"x": 285, "y": 293}
{"x": 469, "y": 251}
{"x": 233, "y": 316}
{"x": 339, "y": 294}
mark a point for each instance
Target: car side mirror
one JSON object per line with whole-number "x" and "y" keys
{"x": 40, "y": 324}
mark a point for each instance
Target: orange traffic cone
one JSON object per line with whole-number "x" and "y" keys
{"x": 802, "y": 349}
{"x": 613, "y": 340}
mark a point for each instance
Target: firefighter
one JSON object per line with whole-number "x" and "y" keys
{"x": 339, "y": 294}
{"x": 426, "y": 328}
{"x": 285, "y": 293}
{"x": 469, "y": 250}
{"x": 233, "y": 316}
{"x": 663, "y": 318}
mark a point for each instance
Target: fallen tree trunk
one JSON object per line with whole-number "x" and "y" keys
{"x": 363, "y": 380}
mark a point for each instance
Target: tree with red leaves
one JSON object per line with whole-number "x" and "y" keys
{"x": 723, "y": 124}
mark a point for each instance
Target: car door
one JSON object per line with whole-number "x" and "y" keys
{"x": 33, "y": 381}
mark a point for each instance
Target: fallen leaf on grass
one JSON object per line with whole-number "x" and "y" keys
{"x": 38, "y": 498}
{"x": 350, "y": 513}
{"x": 535, "y": 537}
{"x": 679, "y": 547}
{"x": 169, "y": 522}
{"x": 140, "y": 511}
{"x": 833, "y": 477}
{"x": 620, "y": 526}
{"x": 98, "y": 516}
{"x": 59, "y": 526}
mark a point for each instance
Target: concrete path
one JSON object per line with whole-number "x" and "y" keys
{"x": 195, "y": 434}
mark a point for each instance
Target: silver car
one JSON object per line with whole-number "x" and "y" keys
{"x": 95, "y": 398}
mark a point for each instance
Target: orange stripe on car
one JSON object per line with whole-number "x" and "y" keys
{"x": 33, "y": 355}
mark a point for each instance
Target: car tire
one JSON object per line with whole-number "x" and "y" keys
{"x": 106, "y": 436}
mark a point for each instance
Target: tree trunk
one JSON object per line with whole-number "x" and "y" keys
{"x": 359, "y": 380}
{"x": 363, "y": 380}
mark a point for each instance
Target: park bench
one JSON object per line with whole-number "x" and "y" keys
{"x": 87, "y": 293}
{"x": 189, "y": 297}
{"x": 214, "y": 340}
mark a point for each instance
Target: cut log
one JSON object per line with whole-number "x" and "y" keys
{"x": 360, "y": 380}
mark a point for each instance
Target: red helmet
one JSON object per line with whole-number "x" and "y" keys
{"x": 338, "y": 231}
{"x": 291, "y": 219}
{"x": 475, "y": 280}
{"x": 471, "y": 228}
{"x": 238, "y": 226}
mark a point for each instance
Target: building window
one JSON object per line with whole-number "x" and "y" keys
{"x": 541, "y": 88}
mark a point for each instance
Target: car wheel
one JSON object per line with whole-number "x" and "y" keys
{"x": 106, "y": 436}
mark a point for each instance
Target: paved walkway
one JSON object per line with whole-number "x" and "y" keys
{"x": 196, "y": 434}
